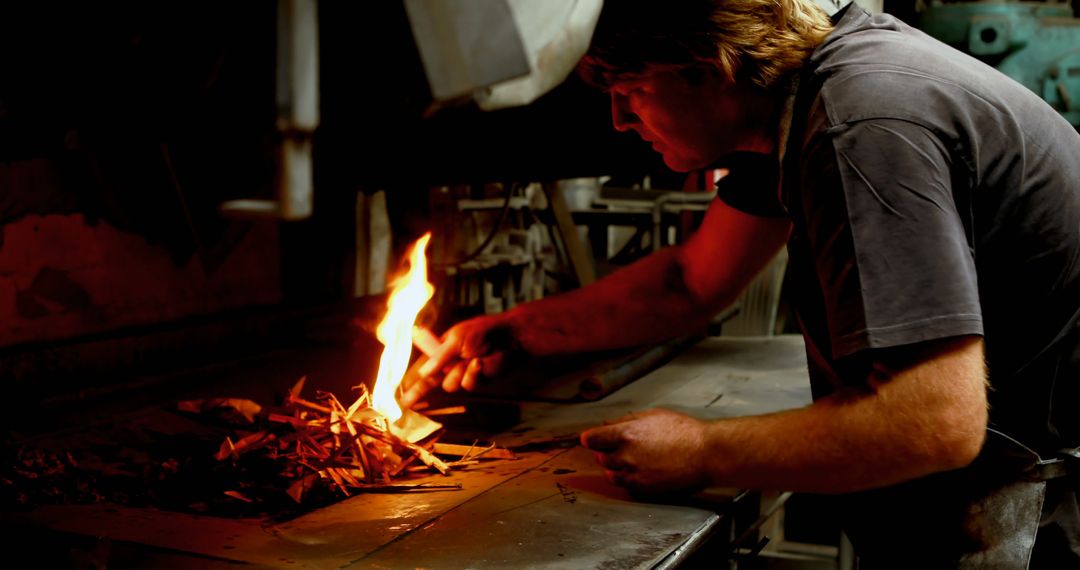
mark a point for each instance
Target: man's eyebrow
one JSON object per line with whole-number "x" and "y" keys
{"x": 624, "y": 79}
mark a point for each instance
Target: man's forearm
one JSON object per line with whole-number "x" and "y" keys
{"x": 927, "y": 419}
{"x": 645, "y": 302}
{"x": 672, "y": 291}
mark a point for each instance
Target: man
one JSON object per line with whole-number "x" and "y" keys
{"x": 931, "y": 210}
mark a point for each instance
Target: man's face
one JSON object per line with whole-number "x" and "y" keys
{"x": 690, "y": 121}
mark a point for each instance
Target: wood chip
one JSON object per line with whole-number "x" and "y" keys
{"x": 472, "y": 451}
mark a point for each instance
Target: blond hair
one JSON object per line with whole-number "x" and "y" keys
{"x": 760, "y": 40}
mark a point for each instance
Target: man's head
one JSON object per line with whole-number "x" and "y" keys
{"x": 694, "y": 77}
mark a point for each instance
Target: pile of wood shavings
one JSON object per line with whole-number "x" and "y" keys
{"x": 354, "y": 449}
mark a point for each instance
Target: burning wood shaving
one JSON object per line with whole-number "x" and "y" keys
{"x": 354, "y": 449}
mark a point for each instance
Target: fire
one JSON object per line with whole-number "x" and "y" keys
{"x": 410, "y": 293}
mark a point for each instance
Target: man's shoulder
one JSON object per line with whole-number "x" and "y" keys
{"x": 875, "y": 66}
{"x": 882, "y": 67}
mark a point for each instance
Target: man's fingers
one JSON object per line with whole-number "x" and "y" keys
{"x": 491, "y": 366}
{"x": 607, "y": 438}
{"x": 452, "y": 381}
{"x": 483, "y": 367}
{"x": 417, "y": 390}
{"x": 442, "y": 356}
{"x": 472, "y": 371}
{"x": 412, "y": 375}
{"x": 611, "y": 461}
{"x": 425, "y": 340}
{"x": 412, "y": 395}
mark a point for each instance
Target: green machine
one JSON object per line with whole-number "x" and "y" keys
{"x": 1035, "y": 43}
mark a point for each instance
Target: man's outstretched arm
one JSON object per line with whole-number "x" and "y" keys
{"x": 667, "y": 293}
{"x": 670, "y": 292}
{"x": 924, "y": 411}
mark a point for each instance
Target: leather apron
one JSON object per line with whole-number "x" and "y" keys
{"x": 985, "y": 516}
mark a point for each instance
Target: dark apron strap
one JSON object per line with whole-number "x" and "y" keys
{"x": 1071, "y": 459}
{"x": 1002, "y": 451}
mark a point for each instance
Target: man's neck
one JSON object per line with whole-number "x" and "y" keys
{"x": 763, "y": 124}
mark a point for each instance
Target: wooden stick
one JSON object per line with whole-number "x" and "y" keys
{"x": 368, "y": 475}
{"x": 465, "y": 451}
{"x": 356, "y": 443}
{"x": 457, "y": 464}
{"x": 348, "y": 477}
{"x": 401, "y": 466}
{"x": 425, "y": 455}
{"x": 453, "y": 449}
{"x": 294, "y": 392}
{"x": 309, "y": 405}
{"x": 296, "y": 422}
{"x": 333, "y": 473}
{"x": 444, "y": 411}
{"x": 395, "y": 487}
{"x": 425, "y": 340}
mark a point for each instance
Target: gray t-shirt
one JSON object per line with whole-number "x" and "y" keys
{"x": 932, "y": 197}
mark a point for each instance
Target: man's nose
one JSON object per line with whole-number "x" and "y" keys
{"x": 621, "y": 115}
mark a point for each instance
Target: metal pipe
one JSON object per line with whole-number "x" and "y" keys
{"x": 297, "y": 114}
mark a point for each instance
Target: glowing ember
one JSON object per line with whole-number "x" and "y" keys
{"x": 410, "y": 293}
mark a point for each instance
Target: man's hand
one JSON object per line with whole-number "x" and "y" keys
{"x": 652, "y": 451}
{"x": 468, "y": 350}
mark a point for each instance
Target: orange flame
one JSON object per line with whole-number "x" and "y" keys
{"x": 410, "y": 293}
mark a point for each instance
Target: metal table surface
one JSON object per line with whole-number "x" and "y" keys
{"x": 551, "y": 508}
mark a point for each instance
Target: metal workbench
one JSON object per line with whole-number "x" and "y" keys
{"x": 551, "y": 508}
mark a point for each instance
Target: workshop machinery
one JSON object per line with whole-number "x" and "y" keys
{"x": 1035, "y": 43}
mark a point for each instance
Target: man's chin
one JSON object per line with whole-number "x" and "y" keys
{"x": 681, "y": 164}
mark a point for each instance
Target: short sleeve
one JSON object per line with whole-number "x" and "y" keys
{"x": 751, "y": 185}
{"x": 889, "y": 245}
